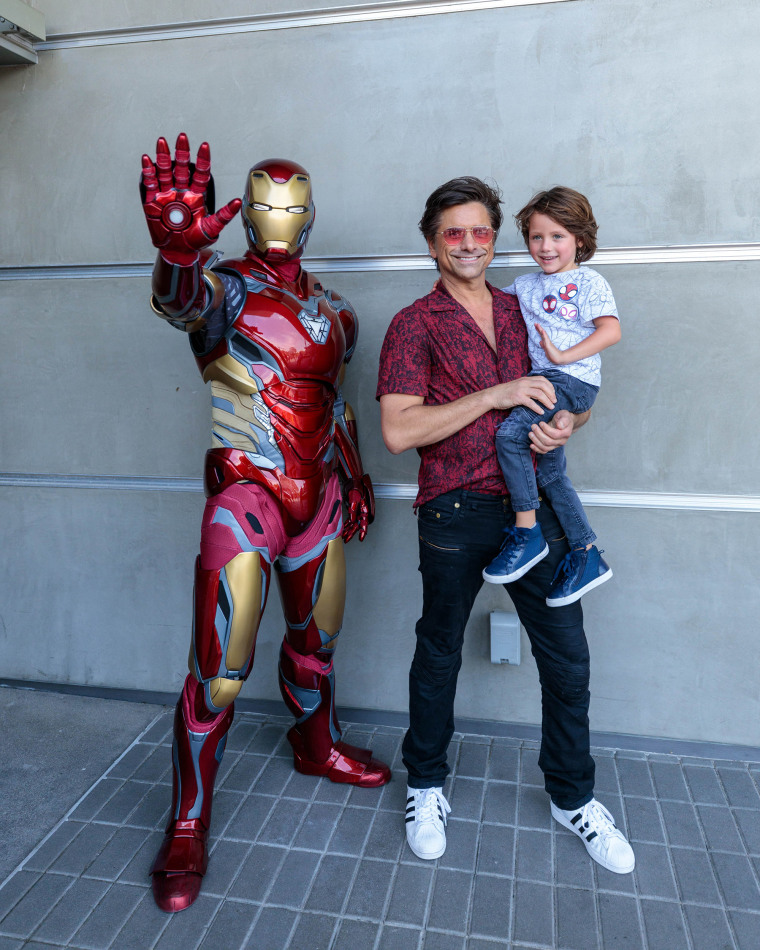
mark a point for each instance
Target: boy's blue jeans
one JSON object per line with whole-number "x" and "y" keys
{"x": 550, "y": 475}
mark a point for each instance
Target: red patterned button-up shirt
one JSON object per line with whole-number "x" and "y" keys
{"x": 434, "y": 349}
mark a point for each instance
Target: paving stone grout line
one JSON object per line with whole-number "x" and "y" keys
{"x": 688, "y": 816}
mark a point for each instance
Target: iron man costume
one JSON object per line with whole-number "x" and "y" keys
{"x": 273, "y": 343}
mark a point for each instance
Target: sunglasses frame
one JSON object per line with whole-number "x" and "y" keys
{"x": 477, "y": 227}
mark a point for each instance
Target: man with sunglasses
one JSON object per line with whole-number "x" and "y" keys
{"x": 452, "y": 366}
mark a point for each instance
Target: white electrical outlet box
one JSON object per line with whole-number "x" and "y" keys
{"x": 505, "y": 638}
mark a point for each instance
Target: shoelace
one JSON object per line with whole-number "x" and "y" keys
{"x": 426, "y": 807}
{"x": 511, "y": 533}
{"x": 569, "y": 562}
{"x": 595, "y": 817}
{"x": 567, "y": 565}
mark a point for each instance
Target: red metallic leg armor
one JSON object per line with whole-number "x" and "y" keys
{"x": 312, "y": 588}
{"x": 197, "y": 751}
{"x": 307, "y": 684}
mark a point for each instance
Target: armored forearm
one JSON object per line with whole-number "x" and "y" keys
{"x": 183, "y": 295}
{"x": 346, "y": 440}
{"x": 360, "y": 496}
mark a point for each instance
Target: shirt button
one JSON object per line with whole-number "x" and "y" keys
{"x": 456, "y": 504}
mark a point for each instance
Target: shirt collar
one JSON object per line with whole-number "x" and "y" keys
{"x": 439, "y": 299}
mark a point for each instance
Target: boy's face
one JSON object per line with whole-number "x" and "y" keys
{"x": 550, "y": 245}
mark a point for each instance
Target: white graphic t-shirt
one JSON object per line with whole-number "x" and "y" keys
{"x": 566, "y": 306}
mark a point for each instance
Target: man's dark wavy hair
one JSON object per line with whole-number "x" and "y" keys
{"x": 460, "y": 191}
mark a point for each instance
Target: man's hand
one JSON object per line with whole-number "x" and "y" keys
{"x": 360, "y": 501}
{"x": 175, "y": 207}
{"x": 534, "y": 392}
{"x": 547, "y": 436}
{"x": 552, "y": 352}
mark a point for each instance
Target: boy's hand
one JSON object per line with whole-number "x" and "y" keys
{"x": 552, "y": 352}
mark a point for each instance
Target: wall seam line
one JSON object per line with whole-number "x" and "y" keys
{"x": 398, "y": 491}
{"x": 270, "y": 22}
{"x": 641, "y": 254}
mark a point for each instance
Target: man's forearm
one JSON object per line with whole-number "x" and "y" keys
{"x": 417, "y": 425}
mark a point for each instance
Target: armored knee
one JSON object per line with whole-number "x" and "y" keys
{"x": 221, "y": 692}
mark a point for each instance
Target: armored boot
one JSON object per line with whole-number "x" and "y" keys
{"x": 307, "y": 684}
{"x": 196, "y": 753}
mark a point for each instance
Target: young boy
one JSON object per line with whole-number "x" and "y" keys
{"x": 571, "y": 316}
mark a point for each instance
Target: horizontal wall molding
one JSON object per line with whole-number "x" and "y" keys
{"x": 684, "y": 501}
{"x": 645, "y": 254}
{"x": 267, "y": 22}
{"x": 119, "y": 482}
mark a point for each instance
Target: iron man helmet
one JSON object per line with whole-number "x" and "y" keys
{"x": 277, "y": 211}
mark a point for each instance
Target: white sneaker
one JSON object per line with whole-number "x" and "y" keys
{"x": 595, "y": 825}
{"x": 426, "y": 811}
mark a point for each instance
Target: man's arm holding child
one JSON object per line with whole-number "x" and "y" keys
{"x": 409, "y": 424}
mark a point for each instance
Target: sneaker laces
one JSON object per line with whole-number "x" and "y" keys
{"x": 567, "y": 565}
{"x": 512, "y": 534}
{"x": 426, "y": 806}
{"x": 595, "y": 817}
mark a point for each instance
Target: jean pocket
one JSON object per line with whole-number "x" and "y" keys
{"x": 437, "y": 514}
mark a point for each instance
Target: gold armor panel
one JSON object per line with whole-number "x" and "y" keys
{"x": 328, "y": 610}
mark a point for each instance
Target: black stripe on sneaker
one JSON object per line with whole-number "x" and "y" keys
{"x": 575, "y": 819}
{"x": 590, "y": 837}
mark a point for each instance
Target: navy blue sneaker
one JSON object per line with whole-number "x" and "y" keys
{"x": 523, "y": 548}
{"x": 578, "y": 572}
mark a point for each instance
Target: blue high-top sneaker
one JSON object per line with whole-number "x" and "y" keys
{"x": 578, "y": 572}
{"x": 522, "y": 548}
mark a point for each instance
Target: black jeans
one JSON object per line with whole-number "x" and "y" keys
{"x": 460, "y": 533}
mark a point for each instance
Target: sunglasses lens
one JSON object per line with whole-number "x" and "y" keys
{"x": 482, "y": 235}
{"x": 453, "y": 235}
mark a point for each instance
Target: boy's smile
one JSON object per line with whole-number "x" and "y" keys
{"x": 550, "y": 245}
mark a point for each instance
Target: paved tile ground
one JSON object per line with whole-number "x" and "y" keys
{"x": 303, "y": 864}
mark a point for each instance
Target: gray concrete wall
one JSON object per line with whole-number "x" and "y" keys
{"x": 644, "y": 106}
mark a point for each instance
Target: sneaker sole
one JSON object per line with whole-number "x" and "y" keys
{"x": 515, "y": 575}
{"x": 560, "y": 818}
{"x": 427, "y": 857}
{"x": 571, "y": 598}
